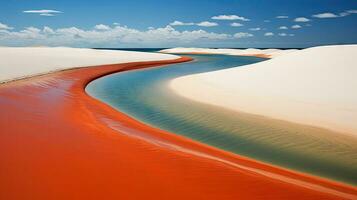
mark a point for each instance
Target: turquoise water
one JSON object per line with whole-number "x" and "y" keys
{"x": 144, "y": 95}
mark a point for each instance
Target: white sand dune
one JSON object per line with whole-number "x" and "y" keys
{"x": 20, "y": 62}
{"x": 237, "y": 52}
{"x": 315, "y": 86}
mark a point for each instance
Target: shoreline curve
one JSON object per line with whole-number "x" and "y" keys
{"x": 57, "y": 142}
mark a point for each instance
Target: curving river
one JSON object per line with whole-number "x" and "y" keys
{"x": 145, "y": 95}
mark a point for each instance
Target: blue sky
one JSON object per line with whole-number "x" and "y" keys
{"x": 213, "y": 23}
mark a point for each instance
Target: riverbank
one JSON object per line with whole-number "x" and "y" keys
{"x": 24, "y": 62}
{"x": 263, "y": 53}
{"x": 312, "y": 87}
{"x": 145, "y": 96}
{"x": 59, "y": 143}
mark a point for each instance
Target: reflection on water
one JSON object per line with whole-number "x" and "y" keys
{"x": 144, "y": 95}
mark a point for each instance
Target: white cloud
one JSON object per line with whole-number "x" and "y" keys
{"x": 255, "y": 29}
{"x": 103, "y": 35}
{"x": 243, "y": 35}
{"x": 283, "y": 34}
{"x": 179, "y": 23}
{"x": 348, "y": 12}
{"x": 236, "y": 24}
{"x": 333, "y": 15}
{"x": 352, "y": 11}
{"x": 41, "y": 11}
{"x": 47, "y": 30}
{"x": 28, "y": 33}
{"x": 207, "y": 24}
{"x": 4, "y": 26}
{"x": 266, "y": 21}
{"x": 283, "y": 28}
{"x": 296, "y": 26}
{"x": 101, "y": 27}
{"x": 204, "y": 24}
{"x": 229, "y": 17}
{"x": 301, "y": 19}
{"x": 46, "y": 13}
{"x": 282, "y": 17}
{"x": 325, "y": 15}
{"x": 268, "y": 34}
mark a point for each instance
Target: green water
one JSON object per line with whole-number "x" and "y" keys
{"x": 144, "y": 95}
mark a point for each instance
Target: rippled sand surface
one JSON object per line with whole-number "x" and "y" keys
{"x": 145, "y": 95}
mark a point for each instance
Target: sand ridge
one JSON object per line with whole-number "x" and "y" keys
{"x": 264, "y": 53}
{"x": 314, "y": 86}
{"x": 23, "y": 62}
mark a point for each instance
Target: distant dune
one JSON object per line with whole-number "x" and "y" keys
{"x": 21, "y": 62}
{"x": 315, "y": 86}
{"x": 267, "y": 53}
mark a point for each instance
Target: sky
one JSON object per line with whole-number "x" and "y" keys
{"x": 172, "y": 23}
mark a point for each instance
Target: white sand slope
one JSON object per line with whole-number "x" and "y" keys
{"x": 20, "y": 62}
{"x": 315, "y": 86}
{"x": 271, "y": 53}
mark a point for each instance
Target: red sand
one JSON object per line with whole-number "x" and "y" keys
{"x": 56, "y": 142}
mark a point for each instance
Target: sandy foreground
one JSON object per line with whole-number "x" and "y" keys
{"x": 315, "y": 86}
{"x": 17, "y": 63}
{"x": 266, "y": 53}
{"x": 57, "y": 142}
